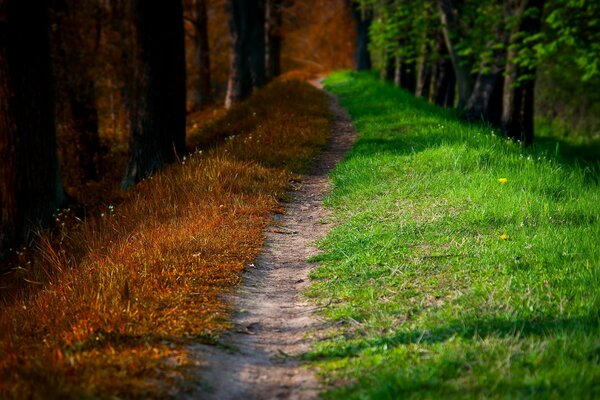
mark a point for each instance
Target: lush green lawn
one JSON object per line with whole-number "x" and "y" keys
{"x": 461, "y": 265}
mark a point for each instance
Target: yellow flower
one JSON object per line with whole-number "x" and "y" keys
{"x": 504, "y": 236}
{"x": 502, "y": 180}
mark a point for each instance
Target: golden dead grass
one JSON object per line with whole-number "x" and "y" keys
{"x": 124, "y": 291}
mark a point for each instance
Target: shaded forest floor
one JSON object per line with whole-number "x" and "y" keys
{"x": 114, "y": 299}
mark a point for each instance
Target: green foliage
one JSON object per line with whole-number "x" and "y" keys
{"x": 573, "y": 30}
{"x": 400, "y": 29}
{"x": 444, "y": 280}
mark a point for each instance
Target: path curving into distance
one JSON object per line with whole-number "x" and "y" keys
{"x": 271, "y": 318}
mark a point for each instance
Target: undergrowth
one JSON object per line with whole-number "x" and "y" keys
{"x": 115, "y": 298}
{"x": 462, "y": 265}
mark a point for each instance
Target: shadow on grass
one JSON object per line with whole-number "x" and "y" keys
{"x": 474, "y": 329}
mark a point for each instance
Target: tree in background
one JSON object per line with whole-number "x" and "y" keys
{"x": 443, "y": 81}
{"x": 273, "y": 37}
{"x": 519, "y": 81}
{"x": 75, "y": 47}
{"x": 247, "y": 33}
{"x": 30, "y": 187}
{"x": 319, "y": 36}
{"x": 202, "y": 93}
{"x": 453, "y": 31}
{"x": 494, "y": 48}
{"x": 157, "y": 105}
{"x": 363, "y": 17}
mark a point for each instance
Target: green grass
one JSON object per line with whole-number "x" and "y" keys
{"x": 426, "y": 298}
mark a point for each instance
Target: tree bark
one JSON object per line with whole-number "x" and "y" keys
{"x": 423, "y": 73}
{"x": 74, "y": 55}
{"x": 489, "y": 79}
{"x": 407, "y": 76}
{"x": 157, "y": 105}
{"x": 273, "y": 38}
{"x": 247, "y": 60}
{"x": 450, "y": 28}
{"x": 30, "y": 187}
{"x": 363, "y": 19}
{"x": 518, "y": 94}
{"x": 443, "y": 82}
{"x": 202, "y": 90}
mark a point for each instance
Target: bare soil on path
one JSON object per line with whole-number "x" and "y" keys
{"x": 272, "y": 321}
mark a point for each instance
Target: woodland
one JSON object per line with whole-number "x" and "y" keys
{"x": 147, "y": 146}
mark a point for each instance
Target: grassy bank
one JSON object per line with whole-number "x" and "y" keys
{"x": 461, "y": 265}
{"x": 114, "y": 299}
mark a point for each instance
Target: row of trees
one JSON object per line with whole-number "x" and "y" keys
{"x": 481, "y": 55}
{"x": 33, "y": 33}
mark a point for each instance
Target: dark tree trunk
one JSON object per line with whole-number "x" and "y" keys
{"x": 489, "y": 79}
{"x": 423, "y": 73}
{"x": 407, "y": 76}
{"x": 247, "y": 60}
{"x": 85, "y": 121}
{"x": 450, "y": 29}
{"x": 273, "y": 24}
{"x": 397, "y": 70}
{"x": 494, "y": 108}
{"x": 157, "y": 109}
{"x": 202, "y": 90}
{"x": 30, "y": 187}
{"x": 443, "y": 80}
{"x": 74, "y": 55}
{"x": 518, "y": 97}
{"x": 363, "y": 19}
{"x": 388, "y": 72}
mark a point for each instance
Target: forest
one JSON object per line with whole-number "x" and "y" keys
{"x": 372, "y": 198}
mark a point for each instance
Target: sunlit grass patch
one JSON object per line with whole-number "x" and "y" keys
{"x": 118, "y": 295}
{"x": 461, "y": 266}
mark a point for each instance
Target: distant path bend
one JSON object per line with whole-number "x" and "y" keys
{"x": 271, "y": 318}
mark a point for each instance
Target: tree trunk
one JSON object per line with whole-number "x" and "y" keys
{"x": 30, "y": 187}
{"x": 157, "y": 109}
{"x": 247, "y": 60}
{"x": 397, "y": 70}
{"x": 423, "y": 73}
{"x": 388, "y": 72}
{"x": 443, "y": 82}
{"x": 363, "y": 19}
{"x": 202, "y": 91}
{"x": 85, "y": 121}
{"x": 74, "y": 60}
{"x": 273, "y": 24}
{"x": 489, "y": 79}
{"x": 407, "y": 76}
{"x": 518, "y": 94}
{"x": 450, "y": 28}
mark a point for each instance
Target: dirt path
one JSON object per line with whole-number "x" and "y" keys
{"x": 271, "y": 319}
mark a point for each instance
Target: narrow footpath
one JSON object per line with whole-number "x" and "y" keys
{"x": 272, "y": 322}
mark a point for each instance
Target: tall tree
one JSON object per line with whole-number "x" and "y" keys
{"x": 443, "y": 82}
{"x": 75, "y": 51}
{"x": 449, "y": 17}
{"x": 247, "y": 59}
{"x": 157, "y": 105}
{"x": 273, "y": 37}
{"x": 30, "y": 187}
{"x": 363, "y": 18}
{"x": 202, "y": 89}
{"x": 489, "y": 80}
{"x": 519, "y": 81}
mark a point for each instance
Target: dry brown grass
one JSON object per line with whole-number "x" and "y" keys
{"x": 121, "y": 293}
